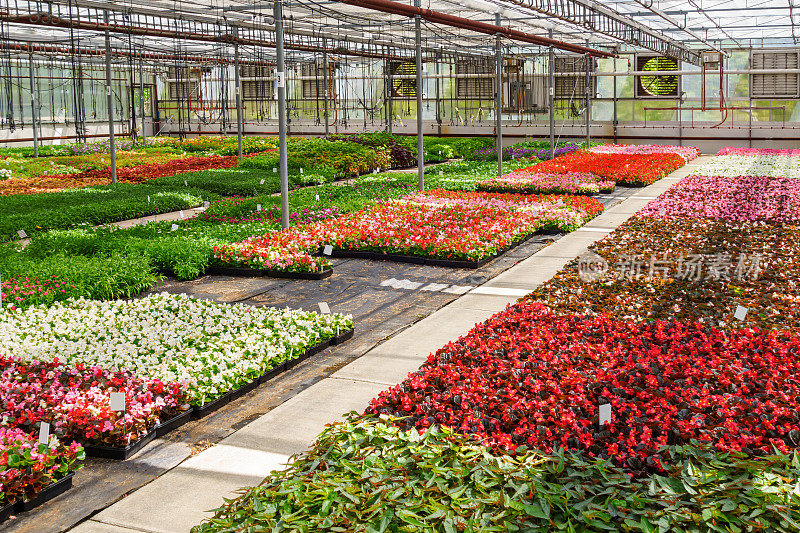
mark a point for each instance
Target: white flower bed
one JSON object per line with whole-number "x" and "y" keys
{"x": 732, "y": 166}
{"x": 213, "y": 348}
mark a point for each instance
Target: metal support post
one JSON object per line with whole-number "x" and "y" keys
{"x": 615, "y": 102}
{"x": 498, "y": 97}
{"x": 389, "y": 95}
{"x": 237, "y": 81}
{"x": 552, "y": 85}
{"x": 33, "y": 107}
{"x": 588, "y": 111}
{"x": 325, "y": 92}
{"x": 141, "y": 100}
{"x": 110, "y": 103}
{"x": 420, "y": 146}
{"x": 277, "y": 7}
{"x": 438, "y": 95}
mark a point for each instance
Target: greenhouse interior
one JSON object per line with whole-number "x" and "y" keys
{"x": 399, "y": 266}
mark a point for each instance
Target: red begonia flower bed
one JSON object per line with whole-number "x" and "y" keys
{"x": 625, "y": 169}
{"x": 528, "y": 376}
{"x": 141, "y": 173}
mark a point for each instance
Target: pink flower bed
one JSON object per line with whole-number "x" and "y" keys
{"x": 75, "y": 400}
{"x": 758, "y": 151}
{"x": 686, "y": 152}
{"x": 526, "y": 182}
{"x": 744, "y": 198}
{"x": 27, "y": 466}
{"x": 22, "y": 292}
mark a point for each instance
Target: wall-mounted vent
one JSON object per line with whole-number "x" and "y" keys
{"x": 774, "y": 85}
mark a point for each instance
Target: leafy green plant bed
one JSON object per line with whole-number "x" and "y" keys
{"x": 37, "y": 213}
{"x": 364, "y": 474}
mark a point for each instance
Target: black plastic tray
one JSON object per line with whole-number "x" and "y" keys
{"x": 7, "y": 510}
{"x": 120, "y": 453}
{"x": 403, "y": 258}
{"x": 260, "y": 273}
{"x": 47, "y": 493}
{"x": 342, "y": 337}
{"x": 269, "y": 374}
{"x": 244, "y": 389}
{"x": 200, "y": 412}
{"x": 173, "y": 423}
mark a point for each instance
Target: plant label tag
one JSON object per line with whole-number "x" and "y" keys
{"x": 148, "y": 198}
{"x": 605, "y": 414}
{"x": 441, "y": 173}
{"x": 44, "y": 433}
{"x": 740, "y": 313}
{"x": 185, "y": 183}
{"x": 328, "y": 250}
{"x": 108, "y": 90}
{"x": 181, "y": 214}
{"x": 262, "y": 182}
{"x": 324, "y": 309}
{"x": 117, "y": 401}
{"x": 317, "y": 197}
{"x": 205, "y": 204}
{"x": 174, "y": 227}
{"x": 258, "y": 207}
{"x": 301, "y": 171}
{"x": 22, "y": 234}
{"x": 281, "y": 79}
{"x": 274, "y": 170}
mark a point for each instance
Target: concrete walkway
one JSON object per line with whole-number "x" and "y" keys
{"x": 176, "y": 501}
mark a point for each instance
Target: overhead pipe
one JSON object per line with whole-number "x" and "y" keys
{"x": 437, "y": 17}
{"x": 43, "y": 19}
{"x": 44, "y": 49}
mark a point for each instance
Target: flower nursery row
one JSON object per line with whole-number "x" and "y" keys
{"x": 209, "y": 348}
{"x": 623, "y": 167}
{"x": 526, "y": 182}
{"x": 684, "y": 335}
{"x": 593, "y": 171}
{"x": 29, "y": 467}
{"x": 442, "y": 225}
{"x": 758, "y": 164}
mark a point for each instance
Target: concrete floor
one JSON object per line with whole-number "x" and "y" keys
{"x": 166, "y": 489}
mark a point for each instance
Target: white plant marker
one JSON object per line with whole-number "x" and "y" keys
{"x": 174, "y": 227}
{"x": 22, "y": 234}
{"x": 185, "y": 183}
{"x": 740, "y": 313}
{"x": 205, "y": 204}
{"x": 301, "y": 170}
{"x": 258, "y": 207}
{"x": 324, "y": 309}
{"x": 605, "y": 414}
{"x": 317, "y": 197}
{"x": 262, "y": 182}
{"x": 327, "y": 250}
{"x": 117, "y": 401}
{"x": 274, "y": 170}
{"x": 441, "y": 173}
{"x": 148, "y": 198}
{"x": 44, "y": 433}
{"x": 181, "y": 214}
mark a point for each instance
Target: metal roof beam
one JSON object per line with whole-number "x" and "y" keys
{"x": 593, "y": 16}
